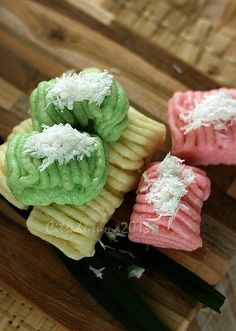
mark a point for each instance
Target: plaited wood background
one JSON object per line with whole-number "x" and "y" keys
{"x": 17, "y": 314}
{"x": 200, "y": 32}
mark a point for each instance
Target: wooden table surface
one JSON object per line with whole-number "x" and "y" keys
{"x": 42, "y": 39}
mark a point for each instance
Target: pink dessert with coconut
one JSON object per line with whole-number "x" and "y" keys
{"x": 203, "y": 126}
{"x": 167, "y": 212}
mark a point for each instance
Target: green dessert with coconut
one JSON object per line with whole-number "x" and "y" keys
{"x": 59, "y": 164}
{"x": 91, "y": 100}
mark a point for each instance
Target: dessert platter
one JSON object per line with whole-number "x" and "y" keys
{"x": 83, "y": 148}
{"x": 114, "y": 176}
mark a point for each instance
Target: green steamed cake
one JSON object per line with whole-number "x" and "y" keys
{"x": 71, "y": 180}
{"x": 88, "y": 99}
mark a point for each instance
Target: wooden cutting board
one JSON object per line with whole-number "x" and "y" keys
{"x": 42, "y": 39}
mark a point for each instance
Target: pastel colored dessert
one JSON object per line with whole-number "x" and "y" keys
{"x": 24, "y": 127}
{"x": 58, "y": 165}
{"x": 167, "y": 212}
{"x": 203, "y": 126}
{"x": 4, "y": 188}
{"x": 82, "y": 225}
{"x": 91, "y": 100}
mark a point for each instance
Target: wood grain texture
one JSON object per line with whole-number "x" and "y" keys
{"x": 42, "y": 39}
{"x": 94, "y": 10}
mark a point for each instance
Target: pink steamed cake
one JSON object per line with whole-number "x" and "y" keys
{"x": 204, "y": 145}
{"x": 184, "y": 232}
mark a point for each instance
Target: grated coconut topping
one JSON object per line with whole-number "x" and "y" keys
{"x": 218, "y": 110}
{"x": 72, "y": 87}
{"x": 135, "y": 271}
{"x": 166, "y": 192}
{"x": 60, "y": 143}
{"x": 114, "y": 234}
{"x": 97, "y": 272}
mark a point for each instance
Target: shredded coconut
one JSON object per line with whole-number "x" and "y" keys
{"x": 135, "y": 271}
{"x": 97, "y": 272}
{"x": 218, "y": 110}
{"x": 72, "y": 87}
{"x": 113, "y": 234}
{"x": 166, "y": 192}
{"x": 60, "y": 143}
{"x": 101, "y": 244}
{"x": 147, "y": 183}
